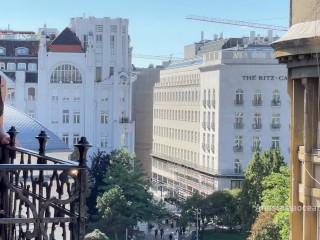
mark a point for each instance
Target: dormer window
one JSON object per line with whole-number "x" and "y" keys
{"x": 22, "y": 51}
{"x": 2, "y": 51}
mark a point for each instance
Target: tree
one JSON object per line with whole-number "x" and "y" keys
{"x": 75, "y": 155}
{"x": 251, "y": 194}
{"x": 96, "y": 234}
{"x": 218, "y": 207}
{"x": 126, "y": 180}
{"x": 115, "y": 210}
{"x": 276, "y": 195}
{"x": 264, "y": 228}
{"x": 99, "y": 167}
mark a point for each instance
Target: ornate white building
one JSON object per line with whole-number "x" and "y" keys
{"x": 82, "y": 83}
{"x": 212, "y": 111}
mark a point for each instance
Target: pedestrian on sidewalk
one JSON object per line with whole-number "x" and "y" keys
{"x": 161, "y": 233}
{"x": 155, "y": 233}
{"x": 170, "y": 236}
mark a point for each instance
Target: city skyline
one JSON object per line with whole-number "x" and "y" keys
{"x": 156, "y": 28}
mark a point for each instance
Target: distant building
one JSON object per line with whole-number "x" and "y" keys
{"x": 212, "y": 111}
{"x": 299, "y": 48}
{"x": 142, "y": 105}
{"x": 78, "y": 84}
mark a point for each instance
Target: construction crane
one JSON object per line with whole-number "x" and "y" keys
{"x": 238, "y": 23}
{"x": 159, "y": 57}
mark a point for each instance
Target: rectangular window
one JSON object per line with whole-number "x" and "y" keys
{"x": 32, "y": 67}
{"x": 104, "y": 141}
{"x": 238, "y": 144}
{"x": 54, "y": 98}
{"x": 22, "y": 66}
{"x": 111, "y": 71}
{"x": 238, "y": 166}
{"x": 65, "y": 138}
{"x": 275, "y": 142}
{"x": 104, "y": 117}
{"x": 99, "y": 28}
{"x": 76, "y": 138}
{"x": 11, "y": 66}
{"x": 98, "y": 74}
{"x": 98, "y": 48}
{"x": 10, "y": 93}
{"x": 76, "y": 117}
{"x": 31, "y": 113}
{"x": 65, "y": 116}
{"x": 112, "y": 44}
{"x": 236, "y": 184}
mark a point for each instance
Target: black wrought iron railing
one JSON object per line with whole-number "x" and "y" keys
{"x": 42, "y": 197}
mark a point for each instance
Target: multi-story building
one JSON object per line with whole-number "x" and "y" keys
{"x": 78, "y": 84}
{"x": 213, "y": 110}
{"x": 142, "y": 93}
{"x": 299, "y": 48}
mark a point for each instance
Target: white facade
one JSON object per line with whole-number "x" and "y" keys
{"x": 211, "y": 114}
{"x": 97, "y": 102}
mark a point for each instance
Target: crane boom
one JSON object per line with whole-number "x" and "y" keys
{"x": 238, "y": 23}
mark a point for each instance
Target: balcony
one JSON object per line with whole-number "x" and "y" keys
{"x": 238, "y": 148}
{"x": 42, "y": 197}
{"x": 123, "y": 120}
{"x": 256, "y": 125}
{"x": 257, "y": 102}
{"x": 275, "y": 103}
{"x": 238, "y": 125}
{"x": 275, "y": 125}
{"x": 238, "y": 102}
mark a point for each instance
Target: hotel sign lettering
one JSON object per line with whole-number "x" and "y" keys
{"x": 263, "y": 77}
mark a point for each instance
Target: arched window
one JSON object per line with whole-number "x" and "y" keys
{"x": 22, "y": 51}
{"x": 239, "y": 97}
{"x": 66, "y": 73}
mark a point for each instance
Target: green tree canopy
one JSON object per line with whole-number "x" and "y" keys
{"x": 261, "y": 165}
{"x": 126, "y": 181}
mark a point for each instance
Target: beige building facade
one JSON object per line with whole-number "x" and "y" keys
{"x": 212, "y": 111}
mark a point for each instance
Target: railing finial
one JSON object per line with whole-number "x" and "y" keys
{"x": 42, "y": 138}
{"x": 12, "y": 133}
{"x": 83, "y": 145}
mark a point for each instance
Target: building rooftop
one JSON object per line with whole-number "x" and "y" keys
{"x": 29, "y": 128}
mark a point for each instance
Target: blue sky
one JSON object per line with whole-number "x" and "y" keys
{"x": 156, "y": 27}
